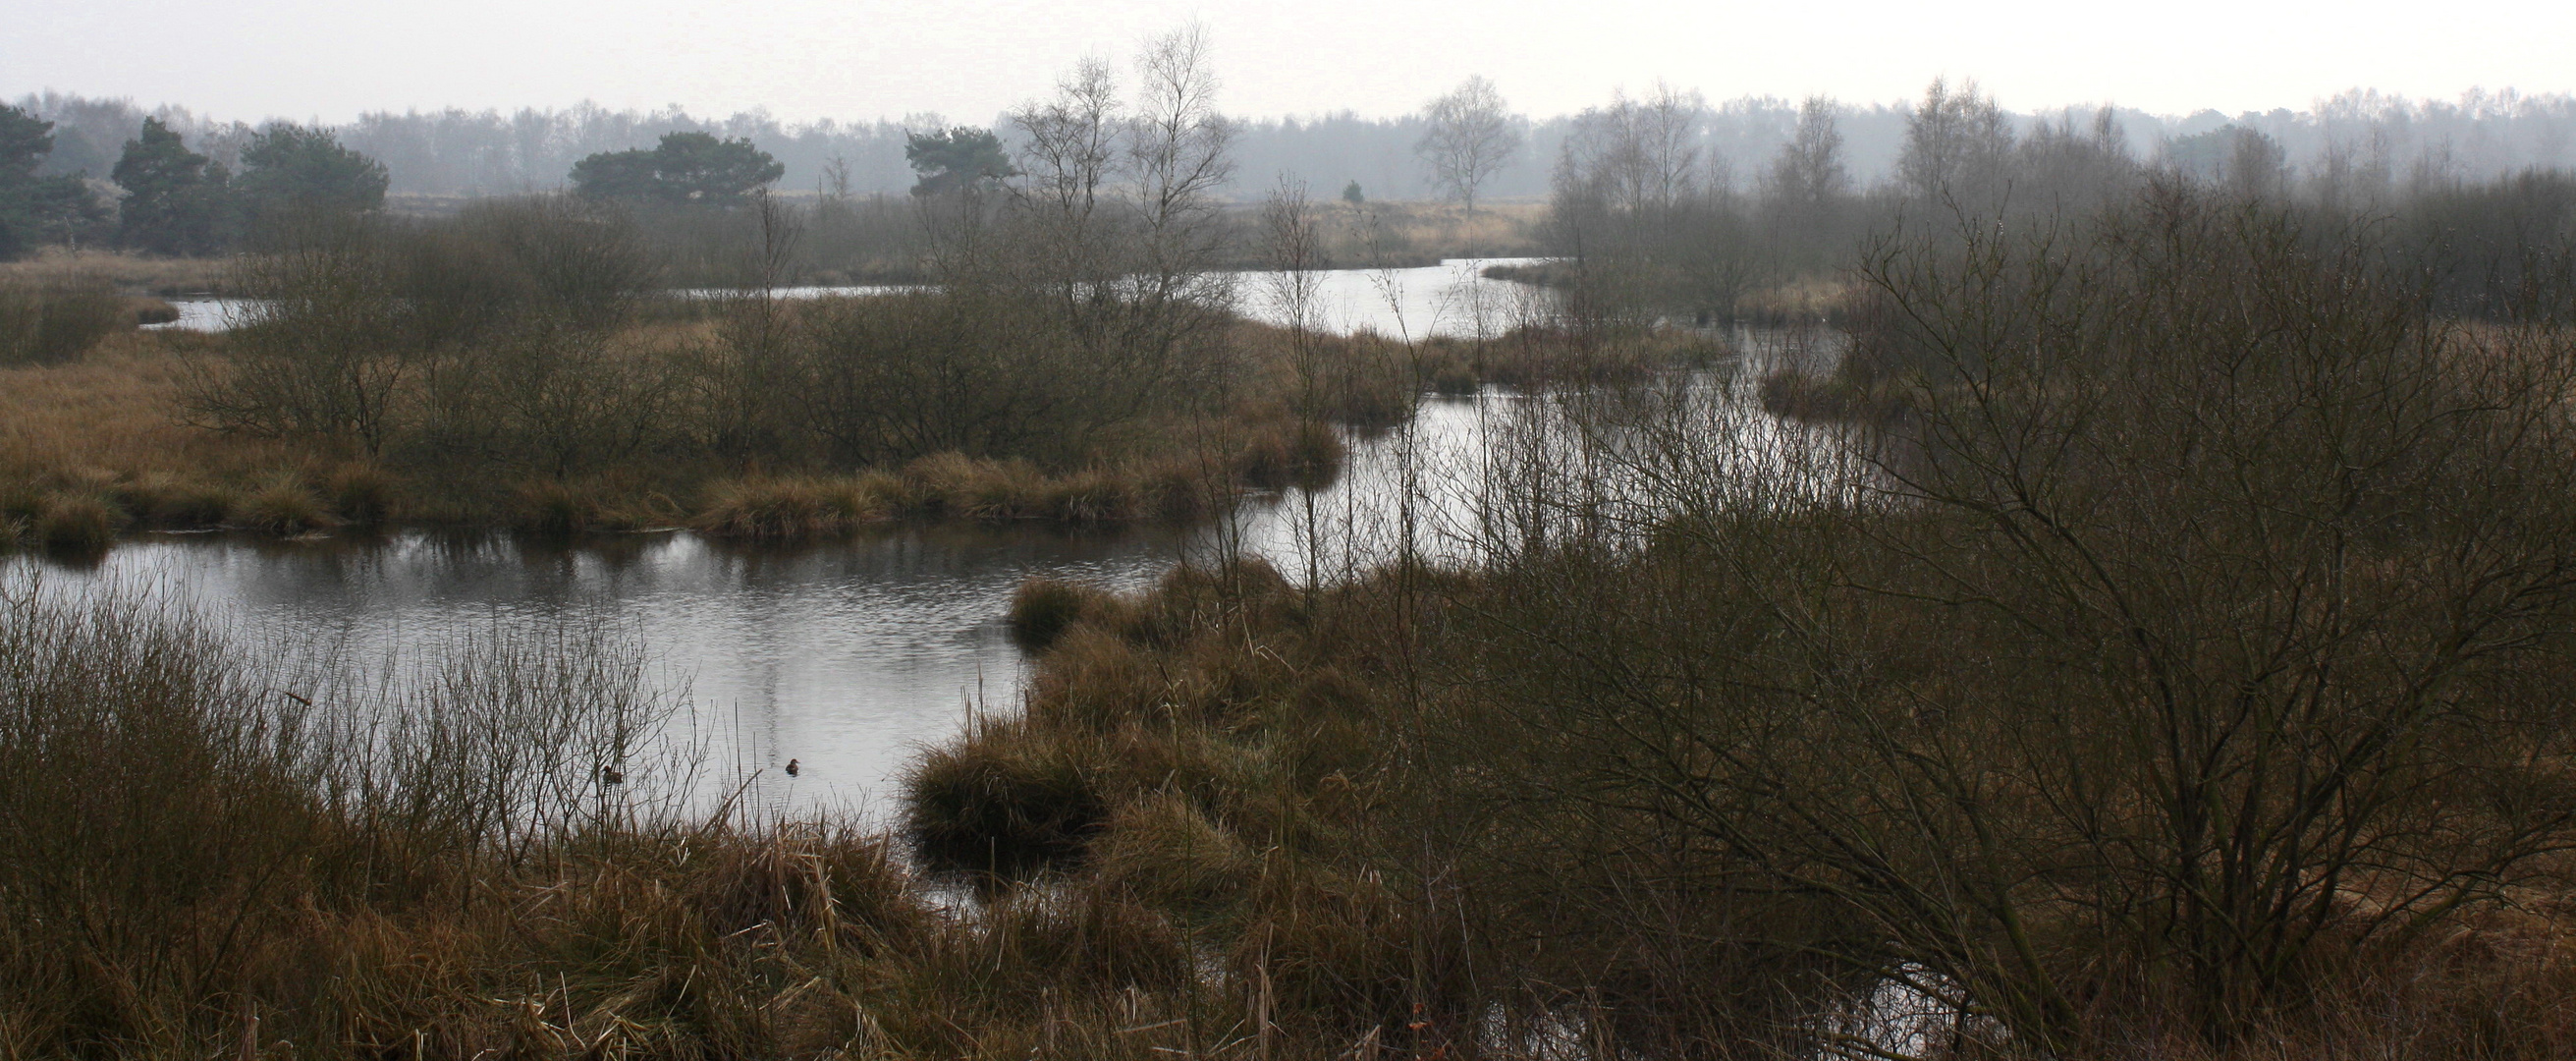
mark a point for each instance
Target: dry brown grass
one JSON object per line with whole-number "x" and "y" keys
{"x": 116, "y": 415}
{"x": 131, "y": 273}
{"x": 1416, "y": 233}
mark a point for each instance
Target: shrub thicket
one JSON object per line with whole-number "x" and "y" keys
{"x": 2155, "y": 685}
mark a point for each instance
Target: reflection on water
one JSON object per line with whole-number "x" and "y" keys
{"x": 849, "y": 655}
{"x": 204, "y": 315}
{"x": 1451, "y": 298}
{"x": 844, "y": 656}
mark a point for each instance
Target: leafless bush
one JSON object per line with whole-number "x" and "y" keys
{"x": 2194, "y": 641}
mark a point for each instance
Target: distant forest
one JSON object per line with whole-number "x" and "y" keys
{"x": 2361, "y": 135}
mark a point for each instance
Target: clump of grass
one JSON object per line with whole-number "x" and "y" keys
{"x": 1089, "y": 938}
{"x": 1162, "y": 848}
{"x": 49, "y": 320}
{"x": 1042, "y": 609}
{"x": 1096, "y": 677}
{"x": 792, "y": 508}
{"x": 1174, "y": 491}
{"x": 995, "y": 491}
{"x": 558, "y": 508}
{"x": 955, "y": 486}
{"x": 77, "y": 523}
{"x": 362, "y": 493}
{"x": 284, "y": 507}
{"x": 1091, "y": 496}
{"x": 962, "y": 487}
{"x": 1003, "y": 804}
{"x": 167, "y": 501}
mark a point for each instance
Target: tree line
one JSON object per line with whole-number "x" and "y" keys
{"x": 457, "y": 152}
{"x": 1645, "y": 226}
{"x": 167, "y": 199}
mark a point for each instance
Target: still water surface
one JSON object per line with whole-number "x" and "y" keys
{"x": 1451, "y": 298}
{"x": 846, "y": 656}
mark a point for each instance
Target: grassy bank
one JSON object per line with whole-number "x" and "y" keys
{"x": 118, "y": 440}
{"x": 107, "y": 444}
{"x": 1379, "y": 235}
{"x": 211, "y": 854}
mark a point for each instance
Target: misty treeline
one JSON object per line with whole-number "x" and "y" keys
{"x": 457, "y": 152}
{"x": 161, "y": 198}
{"x": 1644, "y": 227}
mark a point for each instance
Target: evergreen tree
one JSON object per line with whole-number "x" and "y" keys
{"x": 36, "y": 210}
{"x": 174, "y": 200}
{"x": 951, "y": 160}
{"x": 684, "y": 168}
{"x": 295, "y": 167}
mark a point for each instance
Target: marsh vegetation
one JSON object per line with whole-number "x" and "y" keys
{"x": 2118, "y": 608}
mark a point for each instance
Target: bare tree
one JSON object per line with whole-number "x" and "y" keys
{"x": 1809, "y": 168}
{"x": 1639, "y": 154}
{"x": 1956, "y": 144}
{"x": 1470, "y": 138}
{"x": 1079, "y": 295}
{"x": 2256, "y": 166}
{"x": 1294, "y": 242}
{"x": 1070, "y": 146}
{"x": 1177, "y": 148}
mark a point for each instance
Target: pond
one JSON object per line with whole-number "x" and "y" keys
{"x": 845, "y": 656}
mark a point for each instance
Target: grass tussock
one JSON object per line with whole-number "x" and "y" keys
{"x": 1000, "y": 805}
{"x": 284, "y": 508}
{"x": 76, "y": 523}
{"x": 953, "y": 486}
{"x": 1042, "y": 609}
{"x": 163, "y": 501}
{"x": 561, "y": 508}
{"x": 798, "y": 508}
{"x": 54, "y": 319}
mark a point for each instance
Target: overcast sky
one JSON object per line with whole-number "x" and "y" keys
{"x": 863, "y": 59}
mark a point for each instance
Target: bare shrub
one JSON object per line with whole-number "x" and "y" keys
{"x": 2169, "y": 664}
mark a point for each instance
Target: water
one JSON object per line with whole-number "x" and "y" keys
{"x": 847, "y": 656}
{"x": 204, "y": 314}
{"x": 1451, "y": 298}
{"x": 850, "y": 656}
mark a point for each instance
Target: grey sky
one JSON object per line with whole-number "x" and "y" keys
{"x": 862, "y": 59}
